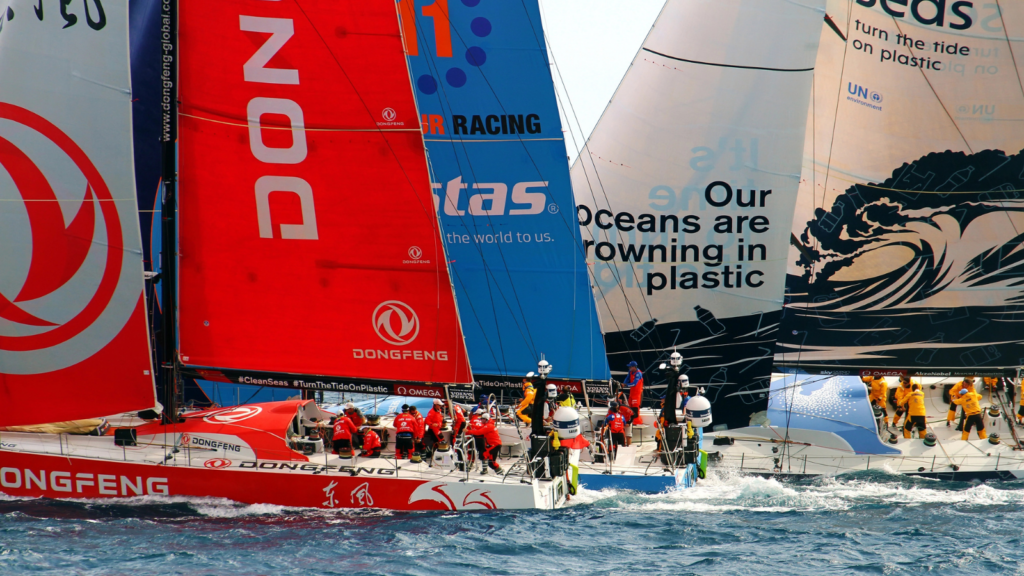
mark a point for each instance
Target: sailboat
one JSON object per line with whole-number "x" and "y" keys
{"x": 309, "y": 256}
{"x": 905, "y": 248}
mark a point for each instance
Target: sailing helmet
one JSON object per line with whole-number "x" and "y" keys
{"x": 632, "y": 364}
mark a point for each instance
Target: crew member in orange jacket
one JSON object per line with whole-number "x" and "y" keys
{"x": 970, "y": 400}
{"x": 491, "y": 440}
{"x": 634, "y": 382}
{"x": 616, "y": 424}
{"x": 405, "y": 433}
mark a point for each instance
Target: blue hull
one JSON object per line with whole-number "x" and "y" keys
{"x": 647, "y": 484}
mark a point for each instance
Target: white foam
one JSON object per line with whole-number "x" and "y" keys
{"x": 726, "y": 491}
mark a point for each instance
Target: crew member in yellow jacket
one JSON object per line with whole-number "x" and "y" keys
{"x": 1020, "y": 410}
{"x": 913, "y": 403}
{"x": 966, "y": 384}
{"x": 523, "y": 411}
{"x": 970, "y": 399}
{"x": 878, "y": 394}
{"x": 901, "y": 395}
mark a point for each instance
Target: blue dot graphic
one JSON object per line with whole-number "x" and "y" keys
{"x": 480, "y": 26}
{"x": 427, "y": 84}
{"x": 456, "y": 77}
{"x": 471, "y": 3}
{"x": 476, "y": 56}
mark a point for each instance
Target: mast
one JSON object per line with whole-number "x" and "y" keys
{"x": 168, "y": 212}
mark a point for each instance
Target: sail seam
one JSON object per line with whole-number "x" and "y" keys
{"x": 290, "y": 129}
{"x": 730, "y": 65}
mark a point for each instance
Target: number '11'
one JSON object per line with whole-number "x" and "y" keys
{"x": 438, "y": 13}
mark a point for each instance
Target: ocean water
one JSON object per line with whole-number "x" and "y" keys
{"x": 731, "y": 524}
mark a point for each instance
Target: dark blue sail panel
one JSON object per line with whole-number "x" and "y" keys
{"x": 501, "y": 185}
{"x": 144, "y": 42}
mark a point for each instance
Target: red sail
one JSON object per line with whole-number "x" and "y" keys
{"x": 309, "y": 239}
{"x": 73, "y": 336}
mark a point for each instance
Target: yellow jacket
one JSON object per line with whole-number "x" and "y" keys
{"x": 970, "y": 402}
{"x": 528, "y": 395}
{"x": 901, "y": 394}
{"x": 914, "y": 402}
{"x": 955, "y": 391}
{"x": 879, "y": 390}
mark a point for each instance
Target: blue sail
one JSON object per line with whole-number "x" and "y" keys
{"x": 501, "y": 186}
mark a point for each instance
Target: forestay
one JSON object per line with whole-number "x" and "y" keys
{"x": 72, "y": 317}
{"x": 910, "y": 211}
{"x": 488, "y": 114}
{"x": 687, "y": 187}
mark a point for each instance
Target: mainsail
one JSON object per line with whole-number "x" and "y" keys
{"x": 310, "y": 253}
{"x": 687, "y": 187}
{"x": 910, "y": 216}
{"x": 72, "y": 315}
{"x": 489, "y": 118}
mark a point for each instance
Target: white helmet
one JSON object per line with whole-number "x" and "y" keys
{"x": 552, "y": 388}
{"x": 684, "y": 380}
{"x": 438, "y": 402}
{"x": 350, "y": 406}
{"x": 485, "y": 416}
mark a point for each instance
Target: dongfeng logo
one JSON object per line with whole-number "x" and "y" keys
{"x": 217, "y": 463}
{"x": 415, "y": 252}
{"x": 232, "y": 415}
{"x": 396, "y": 323}
{"x": 66, "y": 281}
{"x": 389, "y": 114}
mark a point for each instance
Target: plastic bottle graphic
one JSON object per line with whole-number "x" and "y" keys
{"x": 927, "y": 353}
{"x": 709, "y": 321}
{"x": 644, "y": 329}
{"x": 956, "y": 179}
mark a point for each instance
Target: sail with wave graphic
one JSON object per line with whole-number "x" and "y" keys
{"x": 907, "y": 249}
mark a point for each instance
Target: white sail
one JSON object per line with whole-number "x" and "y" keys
{"x": 686, "y": 188}
{"x": 912, "y": 200}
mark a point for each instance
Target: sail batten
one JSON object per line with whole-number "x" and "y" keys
{"x": 309, "y": 242}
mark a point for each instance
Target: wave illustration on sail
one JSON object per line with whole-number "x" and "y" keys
{"x": 928, "y": 245}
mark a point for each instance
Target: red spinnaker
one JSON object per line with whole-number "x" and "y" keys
{"x": 309, "y": 238}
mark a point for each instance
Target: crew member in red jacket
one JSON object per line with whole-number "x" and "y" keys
{"x": 405, "y": 433}
{"x": 371, "y": 444}
{"x": 491, "y": 439}
{"x": 458, "y": 421}
{"x": 343, "y": 431}
{"x": 434, "y": 423}
{"x": 634, "y": 381}
{"x": 420, "y": 428}
{"x": 357, "y": 419}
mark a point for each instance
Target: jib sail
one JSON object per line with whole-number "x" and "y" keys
{"x": 72, "y": 315}
{"x": 309, "y": 241}
{"x": 687, "y": 187}
{"x": 910, "y": 217}
{"x": 501, "y": 183}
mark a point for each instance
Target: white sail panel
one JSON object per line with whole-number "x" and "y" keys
{"x": 911, "y": 206}
{"x": 687, "y": 186}
{"x": 72, "y": 316}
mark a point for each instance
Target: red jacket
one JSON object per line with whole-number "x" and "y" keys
{"x": 460, "y": 416}
{"x": 418, "y": 432}
{"x": 344, "y": 428}
{"x": 370, "y": 440}
{"x": 487, "y": 430}
{"x": 405, "y": 423}
{"x": 356, "y": 418}
{"x": 434, "y": 421}
{"x": 616, "y": 423}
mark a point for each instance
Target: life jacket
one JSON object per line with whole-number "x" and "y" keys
{"x": 616, "y": 423}
{"x": 405, "y": 424}
{"x": 370, "y": 440}
{"x": 344, "y": 429}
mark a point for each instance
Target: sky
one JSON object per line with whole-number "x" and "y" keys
{"x": 592, "y": 43}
